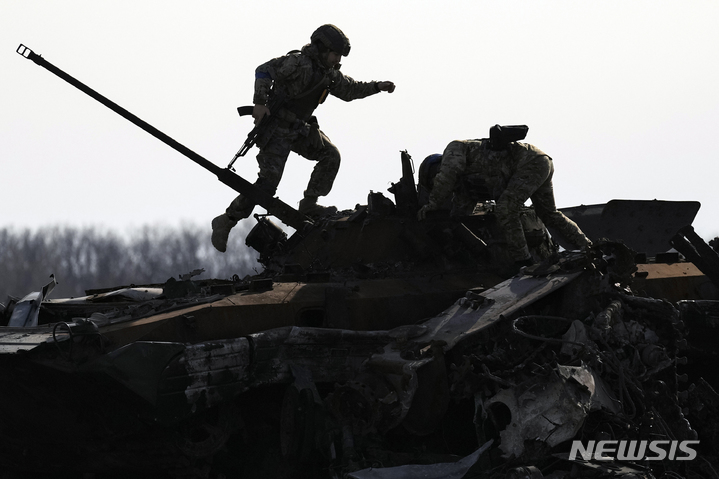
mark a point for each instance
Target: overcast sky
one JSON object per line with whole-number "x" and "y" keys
{"x": 622, "y": 94}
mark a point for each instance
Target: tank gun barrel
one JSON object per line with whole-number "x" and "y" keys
{"x": 275, "y": 206}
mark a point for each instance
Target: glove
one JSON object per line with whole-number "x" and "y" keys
{"x": 387, "y": 86}
{"x": 518, "y": 265}
{"x": 258, "y": 112}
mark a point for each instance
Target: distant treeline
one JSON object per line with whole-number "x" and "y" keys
{"x": 89, "y": 258}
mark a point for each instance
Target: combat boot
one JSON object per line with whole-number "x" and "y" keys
{"x": 309, "y": 207}
{"x": 221, "y": 227}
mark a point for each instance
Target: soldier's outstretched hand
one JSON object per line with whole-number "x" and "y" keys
{"x": 387, "y": 86}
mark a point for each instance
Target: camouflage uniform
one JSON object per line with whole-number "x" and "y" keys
{"x": 474, "y": 172}
{"x": 302, "y": 77}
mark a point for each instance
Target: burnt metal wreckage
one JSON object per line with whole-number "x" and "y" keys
{"x": 373, "y": 345}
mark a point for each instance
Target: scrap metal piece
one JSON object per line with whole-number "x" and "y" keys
{"x": 643, "y": 225}
{"x": 601, "y": 394}
{"x": 550, "y": 408}
{"x": 301, "y": 422}
{"x": 405, "y": 191}
{"x": 442, "y": 470}
{"x": 129, "y": 294}
{"x": 19, "y": 341}
{"x": 460, "y": 322}
{"x": 575, "y": 339}
{"x": 463, "y": 322}
{"x": 693, "y": 247}
{"x": 27, "y": 311}
{"x": 191, "y": 274}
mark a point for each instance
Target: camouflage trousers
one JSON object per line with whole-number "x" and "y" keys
{"x": 533, "y": 181}
{"x": 272, "y": 158}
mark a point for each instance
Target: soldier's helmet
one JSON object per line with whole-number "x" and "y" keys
{"x": 428, "y": 169}
{"x": 329, "y": 37}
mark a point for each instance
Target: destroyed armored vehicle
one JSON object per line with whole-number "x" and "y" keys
{"x": 376, "y": 346}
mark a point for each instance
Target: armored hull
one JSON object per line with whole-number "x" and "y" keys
{"x": 368, "y": 338}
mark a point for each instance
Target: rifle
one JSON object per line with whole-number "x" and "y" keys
{"x": 275, "y": 206}
{"x": 276, "y": 102}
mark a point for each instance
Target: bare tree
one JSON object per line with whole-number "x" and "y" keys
{"x": 89, "y": 258}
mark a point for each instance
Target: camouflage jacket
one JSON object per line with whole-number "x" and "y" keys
{"x": 482, "y": 170}
{"x": 305, "y": 81}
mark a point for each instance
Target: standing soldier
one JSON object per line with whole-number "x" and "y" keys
{"x": 510, "y": 174}
{"x": 304, "y": 79}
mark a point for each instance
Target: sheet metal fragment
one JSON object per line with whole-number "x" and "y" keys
{"x": 445, "y": 470}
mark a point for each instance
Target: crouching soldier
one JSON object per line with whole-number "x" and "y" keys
{"x": 509, "y": 173}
